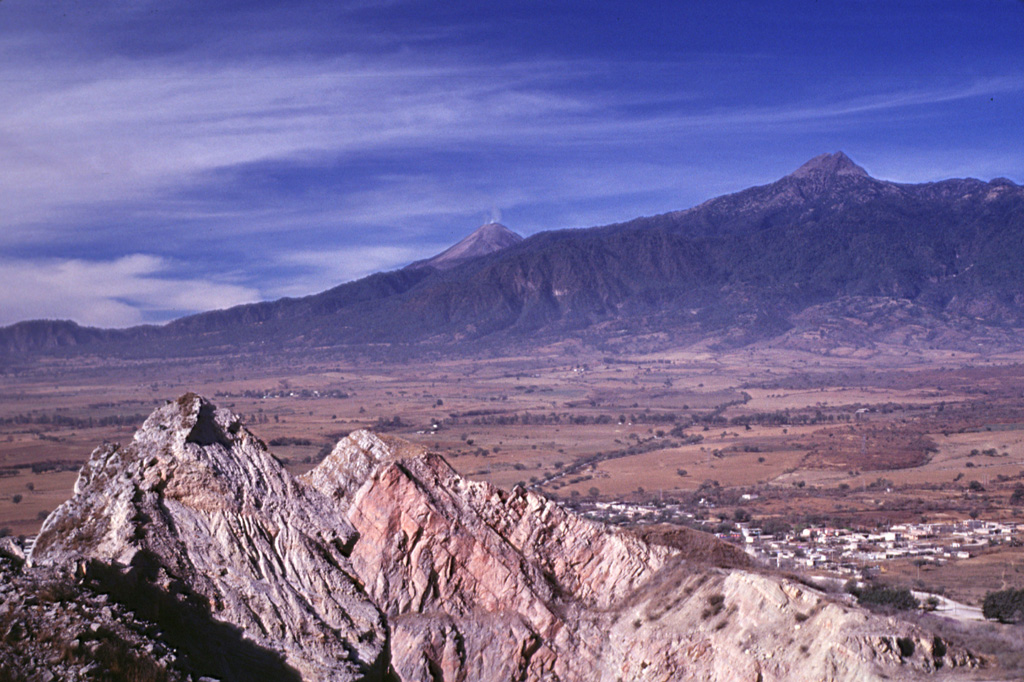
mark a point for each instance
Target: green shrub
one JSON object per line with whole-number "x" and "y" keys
{"x": 1006, "y": 606}
{"x": 716, "y": 603}
{"x": 892, "y": 597}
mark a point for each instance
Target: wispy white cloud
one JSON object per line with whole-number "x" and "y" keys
{"x": 166, "y": 143}
{"x": 120, "y": 132}
{"x": 323, "y": 269}
{"x": 118, "y": 293}
{"x": 833, "y": 112}
{"x": 405, "y": 199}
{"x": 124, "y": 131}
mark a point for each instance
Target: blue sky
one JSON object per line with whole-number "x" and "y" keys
{"x": 161, "y": 158}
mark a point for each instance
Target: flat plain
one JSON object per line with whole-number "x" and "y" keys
{"x": 861, "y": 439}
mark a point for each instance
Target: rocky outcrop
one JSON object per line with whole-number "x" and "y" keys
{"x": 383, "y": 563}
{"x": 195, "y": 512}
{"x": 483, "y": 584}
{"x": 740, "y": 625}
{"x": 51, "y": 629}
{"x": 474, "y": 565}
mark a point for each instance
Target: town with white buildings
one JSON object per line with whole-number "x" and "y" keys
{"x": 841, "y": 551}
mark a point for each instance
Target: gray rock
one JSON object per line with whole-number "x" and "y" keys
{"x": 200, "y": 497}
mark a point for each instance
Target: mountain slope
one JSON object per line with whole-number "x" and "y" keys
{"x": 485, "y": 240}
{"x": 384, "y": 564}
{"x": 734, "y": 270}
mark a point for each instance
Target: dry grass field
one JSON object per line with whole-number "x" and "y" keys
{"x": 964, "y": 581}
{"x": 864, "y": 439}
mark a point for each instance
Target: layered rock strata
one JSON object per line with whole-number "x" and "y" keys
{"x": 196, "y": 511}
{"x": 483, "y": 584}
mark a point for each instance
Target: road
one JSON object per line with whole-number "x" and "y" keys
{"x": 952, "y": 609}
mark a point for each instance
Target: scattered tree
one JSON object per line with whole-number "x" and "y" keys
{"x": 881, "y": 595}
{"x": 1006, "y": 606}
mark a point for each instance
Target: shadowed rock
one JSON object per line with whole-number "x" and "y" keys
{"x": 196, "y": 506}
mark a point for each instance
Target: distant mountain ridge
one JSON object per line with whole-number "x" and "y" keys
{"x": 738, "y": 269}
{"x": 486, "y": 239}
{"x": 828, "y": 165}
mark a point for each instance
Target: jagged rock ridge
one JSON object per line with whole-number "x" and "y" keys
{"x": 384, "y": 564}
{"x": 196, "y": 507}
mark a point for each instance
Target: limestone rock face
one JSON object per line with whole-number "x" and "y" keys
{"x": 482, "y": 584}
{"x": 738, "y": 625}
{"x": 382, "y": 563}
{"x": 195, "y": 506}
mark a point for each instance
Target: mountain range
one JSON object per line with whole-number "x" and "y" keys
{"x": 827, "y": 255}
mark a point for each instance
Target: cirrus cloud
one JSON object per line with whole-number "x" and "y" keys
{"x": 123, "y": 292}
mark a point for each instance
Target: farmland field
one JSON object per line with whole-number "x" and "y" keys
{"x": 860, "y": 441}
